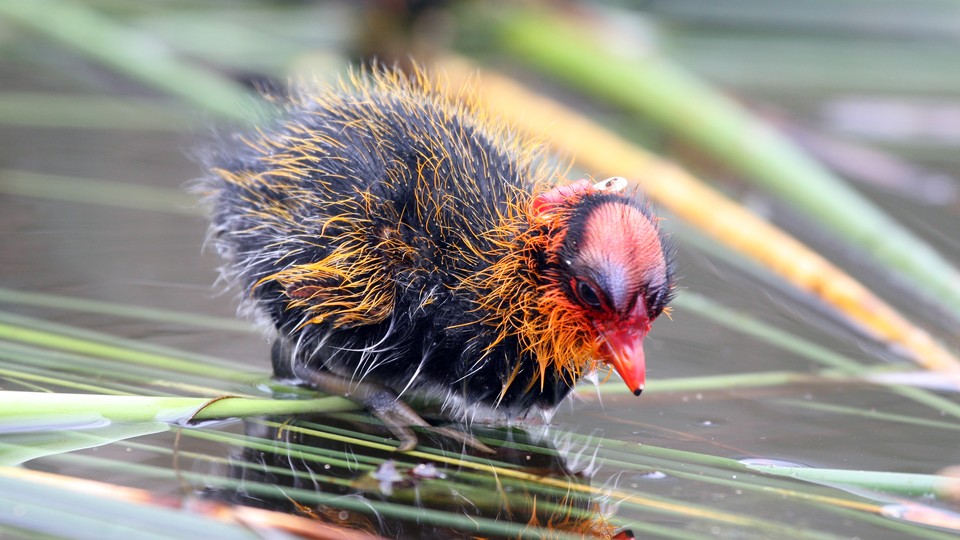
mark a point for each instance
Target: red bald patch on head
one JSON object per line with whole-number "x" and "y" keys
{"x": 619, "y": 236}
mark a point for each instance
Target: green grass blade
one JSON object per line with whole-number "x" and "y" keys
{"x": 871, "y": 414}
{"x": 67, "y": 370}
{"x": 19, "y": 448}
{"x": 85, "y": 342}
{"x": 472, "y": 524}
{"x": 917, "y": 485}
{"x": 30, "y": 377}
{"x": 35, "y": 410}
{"x": 69, "y": 303}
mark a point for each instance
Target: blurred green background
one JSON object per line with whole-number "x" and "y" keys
{"x": 105, "y": 107}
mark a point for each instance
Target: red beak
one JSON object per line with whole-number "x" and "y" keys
{"x": 625, "y": 354}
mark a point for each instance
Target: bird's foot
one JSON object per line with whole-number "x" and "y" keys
{"x": 399, "y": 418}
{"x": 385, "y": 404}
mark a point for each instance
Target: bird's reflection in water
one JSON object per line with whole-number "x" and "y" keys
{"x": 440, "y": 491}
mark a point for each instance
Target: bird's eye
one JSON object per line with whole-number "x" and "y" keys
{"x": 587, "y": 294}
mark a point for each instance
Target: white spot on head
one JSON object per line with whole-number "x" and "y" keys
{"x": 614, "y": 184}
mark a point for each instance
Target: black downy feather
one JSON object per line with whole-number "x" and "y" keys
{"x": 391, "y": 147}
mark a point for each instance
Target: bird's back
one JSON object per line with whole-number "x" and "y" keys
{"x": 353, "y": 222}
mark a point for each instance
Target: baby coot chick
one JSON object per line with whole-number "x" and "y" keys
{"x": 399, "y": 240}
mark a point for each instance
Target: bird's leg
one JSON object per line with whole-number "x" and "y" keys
{"x": 384, "y": 403}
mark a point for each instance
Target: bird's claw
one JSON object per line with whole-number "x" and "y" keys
{"x": 462, "y": 437}
{"x": 385, "y": 404}
{"x": 399, "y": 418}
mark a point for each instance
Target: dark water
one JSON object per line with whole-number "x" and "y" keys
{"x": 59, "y": 245}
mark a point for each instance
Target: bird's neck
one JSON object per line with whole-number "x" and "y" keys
{"x": 523, "y": 302}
